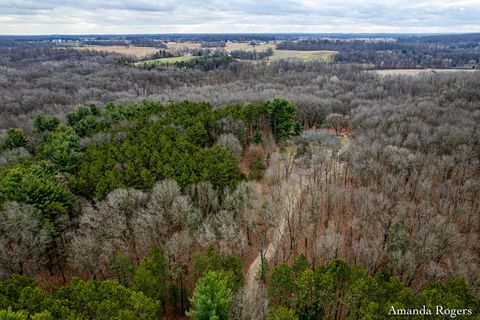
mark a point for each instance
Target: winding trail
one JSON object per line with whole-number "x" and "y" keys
{"x": 295, "y": 185}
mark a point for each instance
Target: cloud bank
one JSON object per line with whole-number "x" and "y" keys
{"x": 184, "y": 16}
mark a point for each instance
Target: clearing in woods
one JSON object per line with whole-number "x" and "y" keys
{"x": 142, "y": 52}
{"x": 246, "y": 46}
{"x": 324, "y": 55}
{"x": 174, "y": 46}
{"x": 156, "y": 62}
{"x": 139, "y": 52}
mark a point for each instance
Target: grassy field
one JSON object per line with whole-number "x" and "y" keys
{"x": 303, "y": 55}
{"x": 230, "y": 46}
{"x": 138, "y": 52}
{"x": 246, "y": 46}
{"x": 183, "y": 45}
{"x": 141, "y": 52}
{"x": 164, "y": 60}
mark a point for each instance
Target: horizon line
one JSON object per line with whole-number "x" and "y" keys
{"x": 242, "y": 33}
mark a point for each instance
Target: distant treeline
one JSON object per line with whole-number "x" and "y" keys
{"x": 206, "y": 37}
{"x": 408, "y": 52}
{"x": 251, "y": 55}
{"x": 90, "y": 190}
{"x": 37, "y": 79}
{"x": 133, "y": 42}
{"x": 214, "y": 44}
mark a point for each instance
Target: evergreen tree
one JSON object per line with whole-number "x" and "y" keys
{"x": 282, "y": 115}
{"x": 15, "y": 139}
{"x": 38, "y": 186}
{"x": 211, "y": 298}
{"x": 44, "y": 123}
{"x": 280, "y": 284}
{"x": 151, "y": 276}
{"x": 282, "y": 313}
{"x": 10, "y": 315}
{"x": 257, "y": 137}
{"x": 62, "y": 147}
{"x": 123, "y": 269}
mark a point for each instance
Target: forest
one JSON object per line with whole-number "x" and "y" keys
{"x": 434, "y": 51}
{"x": 232, "y": 189}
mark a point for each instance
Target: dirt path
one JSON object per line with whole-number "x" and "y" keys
{"x": 295, "y": 185}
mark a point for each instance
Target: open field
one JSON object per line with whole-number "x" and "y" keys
{"x": 183, "y": 45}
{"x": 141, "y": 52}
{"x": 164, "y": 60}
{"x": 302, "y": 55}
{"x": 246, "y": 46}
{"x": 138, "y": 52}
{"x": 416, "y": 72}
{"x": 230, "y": 46}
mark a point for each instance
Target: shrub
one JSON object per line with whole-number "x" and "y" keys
{"x": 282, "y": 313}
{"x": 10, "y": 315}
{"x": 257, "y": 137}
{"x": 15, "y": 139}
{"x": 255, "y": 159}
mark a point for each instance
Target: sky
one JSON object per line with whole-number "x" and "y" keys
{"x": 241, "y": 16}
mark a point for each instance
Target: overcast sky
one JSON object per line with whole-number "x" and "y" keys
{"x": 225, "y": 16}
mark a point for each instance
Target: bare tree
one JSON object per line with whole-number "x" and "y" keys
{"x": 231, "y": 143}
{"x": 336, "y": 121}
{"x": 251, "y": 304}
{"x": 24, "y": 239}
{"x": 105, "y": 229}
{"x": 204, "y": 197}
{"x": 244, "y": 202}
{"x": 166, "y": 213}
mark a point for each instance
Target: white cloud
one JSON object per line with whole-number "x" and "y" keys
{"x": 168, "y": 16}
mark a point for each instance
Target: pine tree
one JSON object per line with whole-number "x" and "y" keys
{"x": 282, "y": 313}
{"x": 211, "y": 298}
{"x": 15, "y": 139}
{"x": 257, "y": 137}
